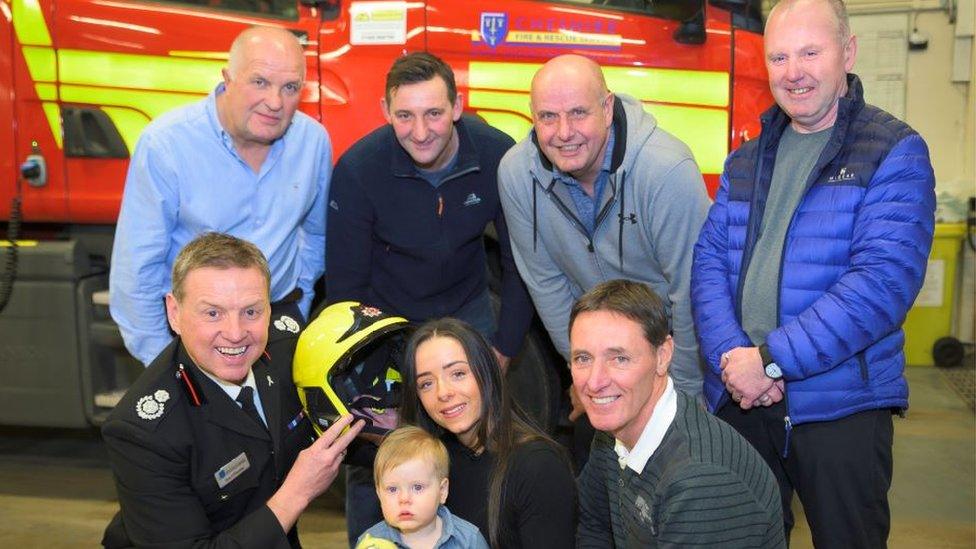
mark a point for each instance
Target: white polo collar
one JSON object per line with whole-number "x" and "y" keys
{"x": 661, "y": 418}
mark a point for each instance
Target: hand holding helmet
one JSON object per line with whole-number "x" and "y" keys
{"x": 348, "y": 362}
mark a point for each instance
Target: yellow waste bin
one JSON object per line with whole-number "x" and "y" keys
{"x": 931, "y": 316}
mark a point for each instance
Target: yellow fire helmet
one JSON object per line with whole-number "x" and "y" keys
{"x": 348, "y": 361}
{"x": 369, "y": 542}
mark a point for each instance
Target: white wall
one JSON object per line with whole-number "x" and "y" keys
{"x": 942, "y": 112}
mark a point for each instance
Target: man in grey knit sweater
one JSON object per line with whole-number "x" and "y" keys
{"x": 662, "y": 472}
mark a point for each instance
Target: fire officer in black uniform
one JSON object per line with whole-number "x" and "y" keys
{"x": 210, "y": 445}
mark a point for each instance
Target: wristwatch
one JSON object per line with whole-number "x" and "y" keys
{"x": 773, "y": 370}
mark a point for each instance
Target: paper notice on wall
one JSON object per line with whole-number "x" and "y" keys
{"x": 932, "y": 289}
{"x": 378, "y": 23}
{"x": 882, "y": 59}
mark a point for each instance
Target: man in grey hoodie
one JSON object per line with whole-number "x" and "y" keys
{"x": 598, "y": 191}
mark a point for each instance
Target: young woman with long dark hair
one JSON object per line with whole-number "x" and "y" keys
{"x": 506, "y": 476}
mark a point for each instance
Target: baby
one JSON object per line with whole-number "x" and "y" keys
{"x": 411, "y": 481}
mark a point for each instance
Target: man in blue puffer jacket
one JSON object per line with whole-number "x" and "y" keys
{"x": 811, "y": 256}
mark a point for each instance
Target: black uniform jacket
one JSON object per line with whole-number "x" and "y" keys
{"x": 171, "y": 437}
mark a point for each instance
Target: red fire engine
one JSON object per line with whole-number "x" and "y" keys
{"x": 80, "y": 79}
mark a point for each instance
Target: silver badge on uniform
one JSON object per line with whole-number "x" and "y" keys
{"x": 286, "y": 323}
{"x": 231, "y": 470}
{"x": 152, "y": 406}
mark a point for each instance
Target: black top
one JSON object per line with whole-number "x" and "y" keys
{"x": 539, "y": 499}
{"x": 397, "y": 242}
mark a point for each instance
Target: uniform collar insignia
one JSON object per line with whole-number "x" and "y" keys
{"x": 286, "y": 324}
{"x": 151, "y": 407}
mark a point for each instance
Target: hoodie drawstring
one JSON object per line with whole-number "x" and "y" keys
{"x": 535, "y": 226}
{"x": 620, "y": 223}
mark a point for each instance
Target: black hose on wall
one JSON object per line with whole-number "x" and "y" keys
{"x": 9, "y": 272}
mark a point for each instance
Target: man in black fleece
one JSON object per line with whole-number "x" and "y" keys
{"x": 410, "y": 202}
{"x": 409, "y": 205}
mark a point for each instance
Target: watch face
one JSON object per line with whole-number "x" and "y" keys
{"x": 773, "y": 371}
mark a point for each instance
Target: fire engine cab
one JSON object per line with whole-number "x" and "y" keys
{"x": 80, "y": 79}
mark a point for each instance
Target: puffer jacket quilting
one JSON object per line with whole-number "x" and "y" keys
{"x": 853, "y": 261}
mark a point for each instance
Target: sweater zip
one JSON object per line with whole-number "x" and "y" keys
{"x": 573, "y": 219}
{"x": 569, "y": 215}
{"x": 788, "y": 425}
{"x": 612, "y": 180}
{"x": 456, "y": 175}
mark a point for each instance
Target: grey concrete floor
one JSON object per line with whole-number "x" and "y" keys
{"x": 56, "y": 489}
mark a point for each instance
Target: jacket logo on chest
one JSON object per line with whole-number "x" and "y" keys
{"x": 629, "y": 217}
{"x": 644, "y": 510}
{"x": 842, "y": 176}
{"x": 472, "y": 200}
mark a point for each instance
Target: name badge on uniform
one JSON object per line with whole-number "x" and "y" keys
{"x": 232, "y": 470}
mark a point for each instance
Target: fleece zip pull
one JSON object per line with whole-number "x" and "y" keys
{"x": 574, "y": 220}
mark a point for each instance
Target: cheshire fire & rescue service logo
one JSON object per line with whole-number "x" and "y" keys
{"x": 494, "y": 28}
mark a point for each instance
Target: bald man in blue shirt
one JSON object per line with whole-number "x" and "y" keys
{"x": 242, "y": 161}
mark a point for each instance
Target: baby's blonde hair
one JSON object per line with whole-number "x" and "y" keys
{"x": 406, "y": 443}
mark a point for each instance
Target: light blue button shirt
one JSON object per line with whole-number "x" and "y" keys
{"x": 185, "y": 178}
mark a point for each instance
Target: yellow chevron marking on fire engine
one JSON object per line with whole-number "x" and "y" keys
{"x": 130, "y": 110}
{"x": 46, "y": 92}
{"x": 53, "y": 114}
{"x": 703, "y": 130}
{"x": 35, "y": 41}
{"x": 501, "y": 76}
{"x": 503, "y": 101}
{"x": 163, "y": 83}
{"x": 151, "y": 72}
{"x": 222, "y": 55}
{"x": 41, "y": 63}
{"x": 192, "y": 72}
{"x": 152, "y": 103}
{"x": 129, "y": 122}
{"x": 29, "y": 23}
{"x": 514, "y": 125}
{"x": 709, "y": 88}
{"x": 699, "y": 119}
